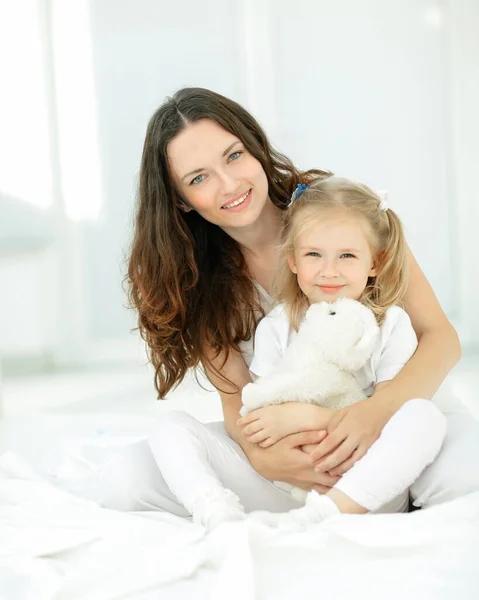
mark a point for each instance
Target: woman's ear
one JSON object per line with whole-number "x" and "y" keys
{"x": 184, "y": 207}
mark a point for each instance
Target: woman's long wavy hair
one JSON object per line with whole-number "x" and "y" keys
{"x": 187, "y": 278}
{"x": 385, "y": 236}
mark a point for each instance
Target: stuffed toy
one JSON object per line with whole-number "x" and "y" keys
{"x": 333, "y": 341}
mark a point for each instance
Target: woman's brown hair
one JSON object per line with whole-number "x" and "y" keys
{"x": 187, "y": 278}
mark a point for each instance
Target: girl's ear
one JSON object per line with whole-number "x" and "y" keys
{"x": 292, "y": 264}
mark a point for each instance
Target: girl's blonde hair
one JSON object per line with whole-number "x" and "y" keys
{"x": 385, "y": 237}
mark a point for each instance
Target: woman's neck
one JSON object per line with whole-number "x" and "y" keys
{"x": 259, "y": 244}
{"x": 262, "y": 237}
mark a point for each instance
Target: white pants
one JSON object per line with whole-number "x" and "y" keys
{"x": 135, "y": 482}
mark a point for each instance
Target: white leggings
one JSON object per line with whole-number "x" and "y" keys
{"x": 193, "y": 457}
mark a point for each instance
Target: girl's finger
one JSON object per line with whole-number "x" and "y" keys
{"x": 246, "y": 420}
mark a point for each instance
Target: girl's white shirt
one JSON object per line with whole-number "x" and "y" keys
{"x": 396, "y": 344}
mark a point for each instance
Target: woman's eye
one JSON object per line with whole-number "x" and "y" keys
{"x": 235, "y": 155}
{"x": 197, "y": 179}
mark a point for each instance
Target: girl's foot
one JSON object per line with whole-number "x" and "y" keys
{"x": 316, "y": 509}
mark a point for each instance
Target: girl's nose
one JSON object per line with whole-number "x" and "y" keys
{"x": 329, "y": 269}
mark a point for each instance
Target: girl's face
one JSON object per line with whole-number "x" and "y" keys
{"x": 217, "y": 176}
{"x": 332, "y": 258}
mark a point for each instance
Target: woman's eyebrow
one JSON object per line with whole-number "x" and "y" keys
{"x": 202, "y": 168}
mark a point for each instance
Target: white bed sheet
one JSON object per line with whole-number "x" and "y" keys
{"x": 57, "y": 546}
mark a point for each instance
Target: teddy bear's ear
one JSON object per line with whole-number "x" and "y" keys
{"x": 363, "y": 349}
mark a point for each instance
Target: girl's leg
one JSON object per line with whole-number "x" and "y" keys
{"x": 455, "y": 472}
{"x": 143, "y": 474}
{"x": 409, "y": 442}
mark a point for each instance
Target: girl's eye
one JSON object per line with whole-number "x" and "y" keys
{"x": 313, "y": 254}
{"x": 235, "y": 155}
{"x": 347, "y": 255}
{"x": 197, "y": 179}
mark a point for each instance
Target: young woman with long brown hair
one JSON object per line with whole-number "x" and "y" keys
{"x": 211, "y": 194}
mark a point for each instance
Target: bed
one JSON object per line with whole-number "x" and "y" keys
{"x": 57, "y": 543}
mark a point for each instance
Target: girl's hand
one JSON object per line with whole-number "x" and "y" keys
{"x": 351, "y": 432}
{"x": 286, "y": 461}
{"x": 266, "y": 426}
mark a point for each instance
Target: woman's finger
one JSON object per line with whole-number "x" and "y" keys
{"x": 342, "y": 453}
{"x": 321, "y": 489}
{"x": 304, "y": 438}
{"x": 258, "y": 437}
{"x": 267, "y": 442}
{"x": 252, "y": 428}
{"x": 327, "y": 446}
{"x": 347, "y": 464}
{"x": 325, "y": 479}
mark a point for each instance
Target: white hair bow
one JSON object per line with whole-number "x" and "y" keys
{"x": 383, "y": 195}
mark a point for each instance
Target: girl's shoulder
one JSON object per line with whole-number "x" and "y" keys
{"x": 277, "y": 318}
{"x": 395, "y": 317}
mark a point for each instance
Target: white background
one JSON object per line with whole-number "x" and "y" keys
{"x": 385, "y": 91}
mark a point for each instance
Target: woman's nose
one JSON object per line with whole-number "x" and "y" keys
{"x": 229, "y": 184}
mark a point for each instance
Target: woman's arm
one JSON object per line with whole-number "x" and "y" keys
{"x": 285, "y": 460}
{"x": 354, "y": 430}
{"x": 438, "y": 348}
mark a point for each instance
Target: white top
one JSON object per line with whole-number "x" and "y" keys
{"x": 394, "y": 348}
{"x": 267, "y": 303}
{"x": 396, "y": 344}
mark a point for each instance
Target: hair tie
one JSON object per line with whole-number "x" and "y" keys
{"x": 297, "y": 193}
{"x": 383, "y": 196}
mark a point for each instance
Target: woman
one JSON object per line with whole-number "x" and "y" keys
{"x": 203, "y": 259}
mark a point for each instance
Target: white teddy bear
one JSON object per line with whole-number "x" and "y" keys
{"x": 333, "y": 341}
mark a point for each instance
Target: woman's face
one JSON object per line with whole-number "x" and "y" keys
{"x": 216, "y": 176}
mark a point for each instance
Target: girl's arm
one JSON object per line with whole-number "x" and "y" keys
{"x": 267, "y": 425}
{"x": 354, "y": 430}
{"x": 285, "y": 460}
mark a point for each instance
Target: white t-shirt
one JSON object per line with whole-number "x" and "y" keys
{"x": 396, "y": 344}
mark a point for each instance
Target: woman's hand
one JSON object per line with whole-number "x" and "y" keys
{"x": 351, "y": 432}
{"x": 286, "y": 461}
{"x": 266, "y": 426}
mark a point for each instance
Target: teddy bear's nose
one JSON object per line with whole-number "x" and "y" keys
{"x": 332, "y": 312}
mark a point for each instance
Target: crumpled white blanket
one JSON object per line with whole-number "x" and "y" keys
{"x": 56, "y": 546}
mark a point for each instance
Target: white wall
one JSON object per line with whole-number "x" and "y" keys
{"x": 381, "y": 90}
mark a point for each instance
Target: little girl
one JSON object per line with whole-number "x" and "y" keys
{"x": 339, "y": 240}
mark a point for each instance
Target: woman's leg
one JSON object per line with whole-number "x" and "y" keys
{"x": 455, "y": 472}
{"x": 134, "y": 480}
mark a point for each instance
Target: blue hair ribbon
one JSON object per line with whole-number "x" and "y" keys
{"x": 297, "y": 192}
